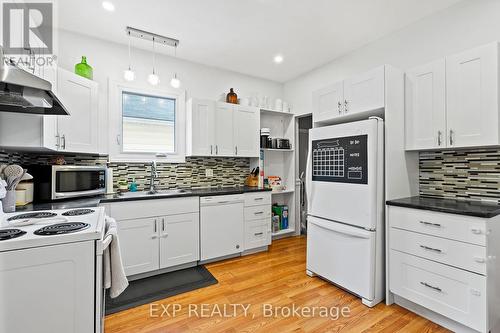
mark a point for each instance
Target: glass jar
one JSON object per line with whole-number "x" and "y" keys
{"x": 84, "y": 69}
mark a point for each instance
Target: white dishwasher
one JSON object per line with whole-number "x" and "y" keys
{"x": 221, "y": 224}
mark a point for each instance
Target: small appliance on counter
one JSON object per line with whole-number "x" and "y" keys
{"x": 56, "y": 182}
{"x": 265, "y": 132}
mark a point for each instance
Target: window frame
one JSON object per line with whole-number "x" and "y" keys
{"x": 115, "y": 124}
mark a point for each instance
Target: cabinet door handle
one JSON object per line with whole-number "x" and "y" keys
{"x": 222, "y": 202}
{"x": 58, "y": 141}
{"x": 430, "y": 224}
{"x": 451, "y": 137}
{"x": 339, "y": 107}
{"x": 211, "y": 149}
{"x": 258, "y": 233}
{"x": 425, "y": 284}
{"x": 216, "y": 150}
{"x": 63, "y": 139}
{"x": 258, "y": 199}
{"x": 236, "y": 150}
{"x": 439, "y": 138}
{"x": 476, "y": 231}
{"x": 258, "y": 213}
{"x": 155, "y": 230}
{"x": 118, "y": 140}
{"x": 431, "y": 249}
{"x": 345, "y": 106}
{"x": 163, "y": 224}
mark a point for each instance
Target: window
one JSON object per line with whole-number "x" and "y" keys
{"x": 148, "y": 123}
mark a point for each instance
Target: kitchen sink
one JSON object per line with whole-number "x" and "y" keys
{"x": 148, "y": 193}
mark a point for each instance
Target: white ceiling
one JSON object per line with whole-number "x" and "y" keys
{"x": 244, "y": 35}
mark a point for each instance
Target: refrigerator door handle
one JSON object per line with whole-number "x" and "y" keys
{"x": 308, "y": 178}
{"x": 341, "y": 229}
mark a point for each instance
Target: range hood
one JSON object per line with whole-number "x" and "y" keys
{"x": 23, "y": 92}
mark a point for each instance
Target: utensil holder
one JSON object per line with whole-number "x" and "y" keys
{"x": 9, "y": 202}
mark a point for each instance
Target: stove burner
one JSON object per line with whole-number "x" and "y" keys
{"x": 10, "y": 233}
{"x": 34, "y": 215}
{"x": 61, "y": 228}
{"x": 77, "y": 212}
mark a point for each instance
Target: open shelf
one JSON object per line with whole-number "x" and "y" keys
{"x": 282, "y": 232}
{"x": 273, "y": 149}
{"x": 282, "y": 192}
{"x": 276, "y": 112}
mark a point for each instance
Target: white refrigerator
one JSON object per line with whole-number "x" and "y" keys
{"x": 345, "y": 191}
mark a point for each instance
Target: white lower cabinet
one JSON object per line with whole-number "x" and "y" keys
{"x": 157, "y": 234}
{"x": 257, "y": 220}
{"x": 179, "y": 239}
{"x": 139, "y": 245}
{"x": 457, "y": 294}
{"x": 446, "y": 264}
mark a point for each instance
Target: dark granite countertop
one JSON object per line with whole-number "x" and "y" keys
{"x": 141, "y": 195}
{"x": 461, "y": 207}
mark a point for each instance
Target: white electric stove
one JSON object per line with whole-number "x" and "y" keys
{"x": 50, "y": 227}
{"x": 51, "y": 268}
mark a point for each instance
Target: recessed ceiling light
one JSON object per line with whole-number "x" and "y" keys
{"x": 108, "y": 6}
{"x": 278, "y": 59}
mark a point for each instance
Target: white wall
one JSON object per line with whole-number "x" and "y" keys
{"x": 465, "y": 25}
{"x": 110, "y": 59}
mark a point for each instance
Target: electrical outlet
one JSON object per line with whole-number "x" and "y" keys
{"x": 209, "y": 172}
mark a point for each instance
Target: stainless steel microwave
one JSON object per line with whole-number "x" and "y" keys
{"x": 56, "y": 182}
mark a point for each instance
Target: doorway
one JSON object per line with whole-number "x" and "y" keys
{"x": 302, "y": 126}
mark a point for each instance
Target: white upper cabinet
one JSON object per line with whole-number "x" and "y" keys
{"x": 200, "y": 135}
{"x": 425, "y": 106}
{"x": 472, "y": 97}
{"x": 222, "y": 129}
{"x": 453, "y": 103}
{"x": 246, "y": 139}
{"x": 328, "y": 102}
{"x": 224, "y": 142}
{"x": 360, "y": 93}
{"x": 365, "y": 92}
{"x": 79, "y": 131}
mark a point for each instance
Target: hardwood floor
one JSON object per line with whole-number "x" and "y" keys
{"x": 276, "y": 277}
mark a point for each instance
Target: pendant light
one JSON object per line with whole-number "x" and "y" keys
{"x": 153, "y": 79}
{"x": 175, "y": 82}
{"x": 129, "y": 74}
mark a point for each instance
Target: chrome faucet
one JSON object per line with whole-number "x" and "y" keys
{"x": 154, "y": 176}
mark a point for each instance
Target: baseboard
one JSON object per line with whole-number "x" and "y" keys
{"x": 432, "y": 316}
{"x": 161, "y": 271}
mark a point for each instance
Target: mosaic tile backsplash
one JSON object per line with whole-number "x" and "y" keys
{"x": 227, "y": 171}
{"x": 468, "y": 175}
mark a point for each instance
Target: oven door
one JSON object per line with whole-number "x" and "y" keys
{"x": 77, "y": 181}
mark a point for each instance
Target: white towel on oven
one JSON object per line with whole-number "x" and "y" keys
{"x": 114, "y": 275}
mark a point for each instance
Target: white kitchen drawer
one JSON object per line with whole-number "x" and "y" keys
{"x": 258, "y": 198}
{"x": 452, "y": 226}
{"x": 257, "y": 234}
{"x": 127, "y": 210}
{"x": 462, "y": 255}
{"x": 451, "y": 292}
{"x": 258, "y": 213}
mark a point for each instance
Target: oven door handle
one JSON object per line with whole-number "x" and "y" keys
{"x": 106, "y": 242}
